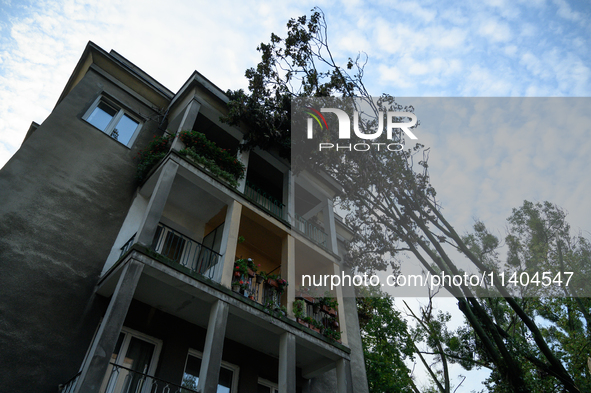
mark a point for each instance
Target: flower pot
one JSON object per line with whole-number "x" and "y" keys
{"x": 272, "y": 283}
{"x": 251, "y": 297}
{"x": 317, "y": 330}
{"x": 250, "y": 273}
{"x": 236, "y": 274}
{"x": 335, "y": 324}
{"x": 259, "y": 279}
{"x": 236, "y": 288}
{"x": 301, "y": 322}
{"x": 329, "y": 310}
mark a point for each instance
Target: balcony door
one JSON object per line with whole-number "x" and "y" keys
{"x": 132, "y": 363}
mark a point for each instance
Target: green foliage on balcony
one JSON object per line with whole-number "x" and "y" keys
{"x": 152, "y": 154}
{"x": 220, "y": 161}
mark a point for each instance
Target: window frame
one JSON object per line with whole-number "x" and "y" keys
{"x": 128, "y": 335}
{"x": 121, "y": 111}
{"x": 273, "y": 387}
{"x": 230, "y": 366}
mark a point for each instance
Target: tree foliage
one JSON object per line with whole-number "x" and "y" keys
{"x": 300, "y": 65}
{"x": 394, "y": 209}
{"x": 386, "y": 343}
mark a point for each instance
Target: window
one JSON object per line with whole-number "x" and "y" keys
{"x": 265, "y": 386}
{"x": 113, "y": 121}
{"x": 227, "y": 383}
{"x": 133, "y": 360}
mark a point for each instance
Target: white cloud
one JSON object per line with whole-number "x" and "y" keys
{"x": 496, "y": 31}
{"x": 566, "y": 12}
{"x": 414, "y": 48}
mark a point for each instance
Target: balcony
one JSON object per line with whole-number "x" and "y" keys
{"x": 120, "y": 379}
{"x": 258, "y": 290}
{"x": 264, "y": 200}
{"x": 125, "y": 380}
{"x": 184, "y": 251}
{"x": 311, "y": 231}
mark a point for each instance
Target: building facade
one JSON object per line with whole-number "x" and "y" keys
{"x": 173, "y": 281}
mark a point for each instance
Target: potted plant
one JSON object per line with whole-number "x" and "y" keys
{"x": 261, "y": 276}
{"x": 272, "y": 280}
{"x": 240, "y": 267}
{"x": 334, "y": 323}
{"x": 312, "y": 324}
{"x": 281, "y": 310}
{"x": 299, "y": 311}
{"x": 250, "y": 267}
{"x": 329, "y": 304}
{"x": 277, "y": 282}
{"x": 332, "y": 334}
{"x": 281, "y": 285}
{"x": 245, "y": 267}
{"x": 244, "y": 287}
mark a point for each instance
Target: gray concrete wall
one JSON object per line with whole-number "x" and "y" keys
{"x": 64, "y": 196}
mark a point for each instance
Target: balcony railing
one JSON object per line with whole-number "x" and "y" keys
{"x": 187, "y": 252}
{"x": 263, "y": 199}
{"x": 69, "y": 386}
{"x": 126, "y": 380}
{"x": 261, "y": 292}
{"x": 311, "y": 231}
{"x": 127, "y": 245}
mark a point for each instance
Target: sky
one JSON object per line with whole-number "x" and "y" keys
{"x": 493, "y": 48}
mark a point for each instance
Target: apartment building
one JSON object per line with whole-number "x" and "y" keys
{"x": 182, "y": 276}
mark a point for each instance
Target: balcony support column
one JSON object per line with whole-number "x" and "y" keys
{"x": 229, "y": 242}
{"x": 341, "y": 308}
{"x": 289, "y": 197}
{"x": 287, "y": 365}
{"x": 149, "y": 223}
{"x": 288, "y": 271}
{"x": 209, "y": 373}
{"x": 329, "y": 226}
{"x": 344, "y": 378}
{"x": 243, "y": 156}
{"x": 98, "y": 358}
{"x": 186, "y": 123}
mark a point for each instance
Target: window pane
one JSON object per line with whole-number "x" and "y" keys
{"x": 225, "y": 381}
{"x": 125, "y": 129}
{"x": 173, "y": 246}
{"x": 138, "y": 358}
{"x": 102, "y": 115}
{"x": 191, "y": 376}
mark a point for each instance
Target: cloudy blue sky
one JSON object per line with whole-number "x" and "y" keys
{"x": 415, "y": 48}
{"x": 491, "y": 48}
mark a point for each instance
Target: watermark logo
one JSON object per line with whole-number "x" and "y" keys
{"x": 316, "y": 115}
{"x": 392, "y": 122}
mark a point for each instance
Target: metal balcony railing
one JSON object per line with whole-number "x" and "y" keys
{"x": 69, "y": 386}
{"x": 187, "y": 252}
{"x": 311, "y": 231}
{"x": 126, "y": 380}
{"x": 127, "y": 245}
{"x": 263, "y": 199}
{"x": 260, "y": 292}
